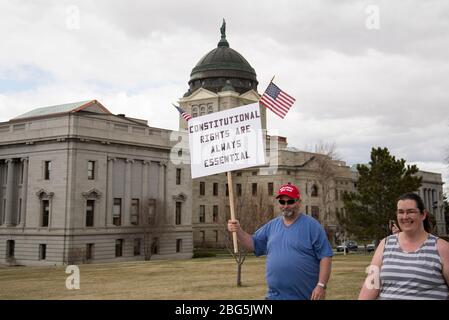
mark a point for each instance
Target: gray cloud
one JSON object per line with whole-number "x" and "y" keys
{"x": 356, "y": 87}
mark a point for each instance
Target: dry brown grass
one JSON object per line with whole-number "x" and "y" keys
{"x": 199, "y": 279}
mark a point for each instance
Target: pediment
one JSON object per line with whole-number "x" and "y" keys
{"x": 44, "y": 194}
{"x": 250, "y": 95}
{"x": 92, "y": 194}
{"x": 200, "y": 94}
{"x": 180, "y": 197}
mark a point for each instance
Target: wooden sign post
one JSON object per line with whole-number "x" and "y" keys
{"x": 231, "y": 204}
{"x": 226, "y": 141}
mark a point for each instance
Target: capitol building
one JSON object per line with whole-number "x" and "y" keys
{"x": 80, "y": 184}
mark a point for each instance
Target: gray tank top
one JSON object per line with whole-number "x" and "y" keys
{"x": 414, "y": 275}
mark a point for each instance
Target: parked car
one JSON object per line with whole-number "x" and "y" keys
{"x": 370, "y": 247}
{"x": 349, "y": 245}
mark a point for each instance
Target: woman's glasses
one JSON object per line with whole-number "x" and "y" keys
{"x": 292, "y": 201}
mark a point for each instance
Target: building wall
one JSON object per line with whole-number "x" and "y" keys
{"x": 131, "y": 164}
{"x": 431, "y": 191}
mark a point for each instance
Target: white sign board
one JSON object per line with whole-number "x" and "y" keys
{"x": 226, "y": 141}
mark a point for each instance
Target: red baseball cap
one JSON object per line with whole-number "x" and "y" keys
{"x": 289, "y": 190}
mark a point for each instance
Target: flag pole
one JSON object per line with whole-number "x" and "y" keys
{"x": 270, "y": 83}
{"x": 231, "y": 204}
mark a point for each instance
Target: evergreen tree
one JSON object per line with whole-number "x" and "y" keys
{"x": 380, "y": 183}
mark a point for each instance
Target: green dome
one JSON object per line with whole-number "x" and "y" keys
{"x": 220, "y": 65}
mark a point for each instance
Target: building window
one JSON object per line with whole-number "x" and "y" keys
{"x": 254, "y": 189}
{"x": 42, "y": 251}
{"x": 307, "y": 209}
{"x": 202, "y": 214}
{"x": 316, "y": 212}
{"x": 239, "y": 174}
{"x": 118, "y": 248}
{"x": 203, "y": 236}
{"x": 216, "y": 235}
{"x": 238, "y": 186}
{"x": 202, "y": 188}
{"x": 90, "y": 170}
{"x": 336, "y": 194}
{"x": 270, "y": 188}
{"x": 47, "y": 170}
{"x": 202, "y": 111}
{"x": 215, "y": 189}
{"x": 135, "y": 210}
{"x": 210, "y": 109}
{"x": 22, "y": 167}
{"x": 89, "y": 251}
{"x": 155, "y": 246}
{"x": 10, "y": 247}
{"x": 19, "y": 218}
{"x": 90, "y": 207}
{"x": 45, "y": 213}
{"x": 178, "y": 212}
{"x": 178, "y": 176}
{"x": 227, "y": 190}
{"x": 215, "y": 213}
{"x": 3, "y": 215}
{"x": 117, "y": 212}
{"x": 314, "y": 191}
{"x": 194, "y": 112}
{"x": 137, "y": 243}
{"x": 178, "y": 245}
{"x": 254, "y": 173}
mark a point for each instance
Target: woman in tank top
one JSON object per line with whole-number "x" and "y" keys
{"x": 411, "y": 264}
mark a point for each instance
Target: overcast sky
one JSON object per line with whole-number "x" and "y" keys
{"x": 364, "y": 73}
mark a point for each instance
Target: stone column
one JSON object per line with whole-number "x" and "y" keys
{"x": 162, "y": 190}
{"x": 24, "y": 192}
{"x": 424, "y": 196}
{"x": 434, "y": 210}
{"x": 9, "y": 194}
{"x": 109, "y": 195}
{"x": 144, "y": 198}
{"x": 127, "y": 196}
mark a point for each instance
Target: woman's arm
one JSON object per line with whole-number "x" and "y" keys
{"x": 371, "y": 287}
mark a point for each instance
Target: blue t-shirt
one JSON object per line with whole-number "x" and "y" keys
{"x": 293, "y": 256}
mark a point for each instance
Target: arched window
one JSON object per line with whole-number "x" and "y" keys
{"x": 194, "y": 112}
{"x": 202, "y": 111}
{"x": 210, "y": 109}
{"x": 314, "y": 191}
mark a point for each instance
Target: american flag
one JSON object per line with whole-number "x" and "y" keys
{"x": 184, "y": 114}
{"x": 277, "y": 100}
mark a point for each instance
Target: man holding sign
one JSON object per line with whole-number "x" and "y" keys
{"x": 299, "y": 256}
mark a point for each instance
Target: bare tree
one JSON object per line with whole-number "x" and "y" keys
{"x": 326, "y": 160}
{"x": 76, "y": 256}
{"x": 153, "y": 222}
{"x": 252, "y": 211}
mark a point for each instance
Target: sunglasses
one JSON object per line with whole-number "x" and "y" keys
{"x": 292, "y": 201}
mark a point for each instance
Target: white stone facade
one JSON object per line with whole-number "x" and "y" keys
{"x": 131, "y": 162}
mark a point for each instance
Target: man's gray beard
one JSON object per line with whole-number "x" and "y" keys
{"x": 288, "y": 213}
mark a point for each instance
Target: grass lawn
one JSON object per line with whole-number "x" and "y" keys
{"x": 198, "y": 279}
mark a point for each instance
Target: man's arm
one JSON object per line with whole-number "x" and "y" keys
{"x": 244, "y": 238}
{"x": 325, "y": 272}
{"x": 325, "y": 269}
